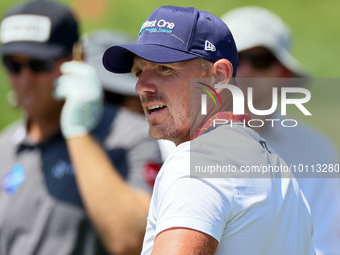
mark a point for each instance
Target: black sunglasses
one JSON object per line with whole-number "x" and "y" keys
{"x": 260, "y": 61}
{"x": 36, "y": 66}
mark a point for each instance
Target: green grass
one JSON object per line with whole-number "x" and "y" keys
{"x": 314, "y": 24}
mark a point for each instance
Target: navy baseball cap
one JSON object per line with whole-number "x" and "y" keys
{"x": 174, "y": 34}
{"x": 39, "y": 29}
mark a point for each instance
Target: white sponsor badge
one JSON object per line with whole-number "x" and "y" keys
{"x": 25, "y": 28}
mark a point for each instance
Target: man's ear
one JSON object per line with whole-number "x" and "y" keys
{"x": 223, "y": 71}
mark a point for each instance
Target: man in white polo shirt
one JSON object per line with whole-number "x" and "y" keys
{"x": 189, "y": 213}
{"x": 207, "y": 215}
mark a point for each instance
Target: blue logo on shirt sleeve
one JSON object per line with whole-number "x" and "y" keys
{"x": 13, "y": 179}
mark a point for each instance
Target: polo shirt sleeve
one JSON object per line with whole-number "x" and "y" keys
{"x": 129, "y": 133}
{"x": 144, "y": 161}
{"x": 192, "y": 203}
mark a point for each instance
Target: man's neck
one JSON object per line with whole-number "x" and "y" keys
{"x": 198, "y": 120}
{"x": 39, "y": 129}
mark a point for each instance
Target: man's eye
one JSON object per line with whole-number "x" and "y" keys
{"x": 164, "y": 68}
{"x": 137, "y": 74}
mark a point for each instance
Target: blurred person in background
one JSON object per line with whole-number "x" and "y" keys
{"x": 50, "y": 204}
{"x": 119, "y": 89}
{"x": 263, "y": 40}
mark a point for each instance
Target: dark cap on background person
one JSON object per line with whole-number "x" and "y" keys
{"x": 39, "y": 29}
{"x": 175, "y": 34}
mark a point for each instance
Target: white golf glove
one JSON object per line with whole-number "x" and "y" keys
{"x": 79, "y": 85}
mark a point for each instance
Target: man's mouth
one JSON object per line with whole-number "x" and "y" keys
{"x": 155, "y": 108}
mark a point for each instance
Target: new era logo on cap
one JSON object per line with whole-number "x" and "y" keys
{"x": 209, "y": 46}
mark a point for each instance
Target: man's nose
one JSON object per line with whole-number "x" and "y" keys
{"x": 146, "y": 83}
{"x": 26, "y": 76}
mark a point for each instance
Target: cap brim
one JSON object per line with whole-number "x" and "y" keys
{"x": 119, "y": 58}
{"x": 35, "y": 50}
{"x": 123, "y": 84}
{"x": 280, "y": 53}
{"x": 291, "y": 63}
